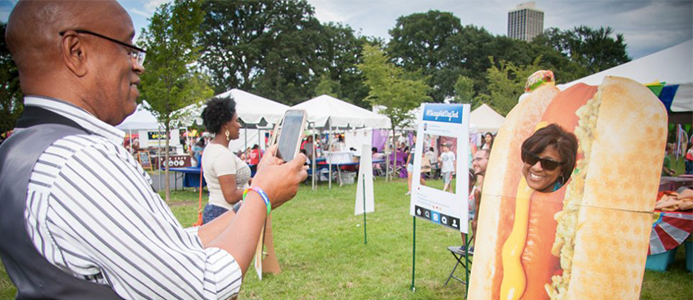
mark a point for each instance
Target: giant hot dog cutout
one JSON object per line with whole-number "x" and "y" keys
{"x": 587, "y": 239}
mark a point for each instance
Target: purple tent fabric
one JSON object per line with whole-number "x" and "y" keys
{"x": 379, "y": 138}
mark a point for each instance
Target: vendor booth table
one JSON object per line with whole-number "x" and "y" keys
{"x": 174, "y": 161}
{"x": 667, "y": 183}
{"x": 343, "y": 170}
{"x": 191, "y": 176}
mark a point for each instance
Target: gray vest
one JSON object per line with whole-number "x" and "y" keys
{"x": 34, "y": 276}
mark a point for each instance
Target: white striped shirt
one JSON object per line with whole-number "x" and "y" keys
{"x": 92, "y": 212}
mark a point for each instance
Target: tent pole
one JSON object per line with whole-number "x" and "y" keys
{"x": 315, "y": 154}
{"x": 329, "y": 161}
{"x": 387, "y": 157}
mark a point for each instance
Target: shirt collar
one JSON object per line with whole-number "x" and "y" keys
{"x": 78, "y": 115}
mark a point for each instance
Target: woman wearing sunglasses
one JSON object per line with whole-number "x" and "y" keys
{"x": 549, "y": 158}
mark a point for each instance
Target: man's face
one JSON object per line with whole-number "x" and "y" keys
{"x": 117, "y": 73}
{"x": 480, "y": 161}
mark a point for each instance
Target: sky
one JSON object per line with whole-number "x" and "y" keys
{"x": 648, "y": 26}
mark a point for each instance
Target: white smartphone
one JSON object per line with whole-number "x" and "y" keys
{"x": 291, "y": 133}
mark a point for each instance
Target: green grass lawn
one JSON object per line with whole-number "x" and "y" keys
{"x": 320, "y": 247}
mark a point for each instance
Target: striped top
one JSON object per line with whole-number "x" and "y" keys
{"x": 92, "y": 212}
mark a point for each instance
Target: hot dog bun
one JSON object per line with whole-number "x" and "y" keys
{"x": 518, "y": 125}
{"x": 603, "y": 225}
{"x": 619, "y": 196}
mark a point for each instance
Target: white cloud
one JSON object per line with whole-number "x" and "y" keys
{"x": 327, "y": 11}
{"x": 141, "y": 13}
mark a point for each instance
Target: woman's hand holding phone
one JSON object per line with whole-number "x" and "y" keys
{"x": 279, "y": 180}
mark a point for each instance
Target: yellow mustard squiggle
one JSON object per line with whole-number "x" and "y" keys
{"x": 514, "y": 280}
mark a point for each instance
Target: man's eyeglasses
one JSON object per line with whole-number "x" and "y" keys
{"x": 136, "y": 53}
{"x": 546, "y": 164}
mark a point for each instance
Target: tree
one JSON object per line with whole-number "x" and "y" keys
{"x": 506, "y": 84}
{"x": 593, "y": 49}
{"x": 392, "y": 88}
{"x": 11, "y": 105}
{"x": 423, "y": 41}
{"x": 265, "y": 47}
{"x": 464, "y": 92}
{"x": 288, "y": 70}
{"x": 327, "y": 86}
{"x": 234, "y": 40}
{"x": 171, "y": 81}
{"x": 339, "y": 51}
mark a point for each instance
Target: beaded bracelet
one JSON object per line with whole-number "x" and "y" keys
{"x": 262, "y": 195}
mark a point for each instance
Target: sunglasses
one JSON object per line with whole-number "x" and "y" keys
{"x": 546, "y": 164}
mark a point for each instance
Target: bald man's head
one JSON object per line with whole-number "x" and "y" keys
{"x": 76, "y": 51}
{"x": 33, "y": 29}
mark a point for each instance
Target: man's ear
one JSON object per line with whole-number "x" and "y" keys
{"x": 74, "y": 54}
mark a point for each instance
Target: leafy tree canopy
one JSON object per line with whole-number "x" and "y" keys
{"x": 506, "y": 84}
{"x": 11, "y": 104}
{"x": 279, "y": 50}
{"x": 391, "y": 87}
{"x": 426, "y": 42}
{"x": 594, "y": 49}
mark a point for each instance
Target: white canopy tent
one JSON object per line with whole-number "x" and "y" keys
{"x": 326, "y": 111}
{"x": 252, "y": 110}
{"x": 142, "y": 119}
{"x": 486, "y": 119}
{"x": 672, "y": 65}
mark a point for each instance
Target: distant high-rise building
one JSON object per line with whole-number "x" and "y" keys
{"x": 525, "y": 22}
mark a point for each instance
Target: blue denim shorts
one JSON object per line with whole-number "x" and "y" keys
{"x": 211, "y": 212}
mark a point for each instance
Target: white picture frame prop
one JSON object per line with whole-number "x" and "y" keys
{"x": 435, "y": 205}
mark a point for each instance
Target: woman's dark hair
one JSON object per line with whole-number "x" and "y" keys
{"x": 565, "y": 142}
{"x": 219, "y": 110}
{"x": 201, "y": 142}
{"x": 493, "y": 138}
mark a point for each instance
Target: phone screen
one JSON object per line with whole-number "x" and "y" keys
{"x": 290, "y": 135}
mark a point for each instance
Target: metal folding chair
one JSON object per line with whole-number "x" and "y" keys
{"x": 461, "y": 258}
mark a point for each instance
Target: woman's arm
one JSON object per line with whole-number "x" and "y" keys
{"x": 231, "y": 193}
